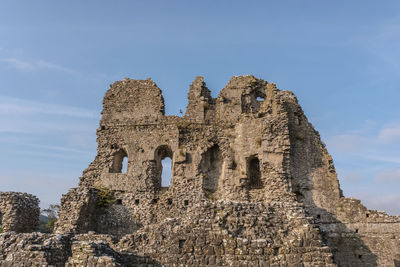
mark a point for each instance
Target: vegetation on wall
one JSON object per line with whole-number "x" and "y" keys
{"x": 105, "y": 197}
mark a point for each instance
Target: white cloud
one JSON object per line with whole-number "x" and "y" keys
{"x": 59, "y": 148}
{"x": 390, "y": 175}
{"x": 352, "y": 176}
{"x": 26, "y": 65}
{"x": 17, "y": 106}
{"x": 367, "y": 140}
{"x": 382, "y": 158}
{"x": 345, "y": 142}
{"x": 390, "y": 134}
{"x": 18, "y": 64}
{"x": 388, "y": 203}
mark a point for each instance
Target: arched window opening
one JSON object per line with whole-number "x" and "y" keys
{"x": 166, "y": 174}
{"x": 211, "y": 166}
{"x": 124, "y": 165}
{"x": 163, "y": 157}
{"x": 120, "y": 162}
{"x": 254, "y": 172}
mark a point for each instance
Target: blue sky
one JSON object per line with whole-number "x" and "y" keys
{"x": 57, "y": 59}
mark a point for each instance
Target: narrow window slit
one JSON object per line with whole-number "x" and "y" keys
{"x": 166, "y": 175}
{"x": 254, "y": 172}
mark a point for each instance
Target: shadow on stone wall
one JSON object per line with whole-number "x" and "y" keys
{"x": 347, "y": 247}
{"x": 308, "y": 155}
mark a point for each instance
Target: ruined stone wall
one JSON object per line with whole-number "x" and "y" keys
{"x": 359, "y": 235}
{"x": 252, "y": 183}
{"x": 356, "y": 235}
{"x": 211, "y": 158}
{"x": 19, "y": 212}
{"x": 38, "y": 249}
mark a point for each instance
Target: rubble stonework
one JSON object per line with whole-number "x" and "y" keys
{"x": 19, "y": 212}
{"x": 252, "y": 185}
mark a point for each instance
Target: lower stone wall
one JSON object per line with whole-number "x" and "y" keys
{"x": 77, "y": 209}
{"x": 210, "y": 232}
{"x": 19, "y": 212}
{"x": 224, "y": 233}
{"x": 38, "y": 249}
{"x": 362, "y": 237}
{"x": 229, "y": 233}
{"x": 33, "y": 249}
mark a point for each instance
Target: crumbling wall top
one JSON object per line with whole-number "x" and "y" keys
{"x": 132, "y": 100}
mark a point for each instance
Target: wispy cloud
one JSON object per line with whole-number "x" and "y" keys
{"x": 356, "y": 141}
{"x": 59, "y": 148}
{"x": 380, "y": 158}
{"x": 390, "y": 175}
{"x": 43, "y": 129}
{"x": 37, "y": 65}
{"x": 368, "y": 159}
{"x": 387, "y": 202}
{"x": 17, "y": 106}
{"x": 351, "y": 176}
{"x": 390, "y": 134}
{"x": 346, "y": 142}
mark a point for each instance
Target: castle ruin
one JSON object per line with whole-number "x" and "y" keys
{"x": 252, "y": 185}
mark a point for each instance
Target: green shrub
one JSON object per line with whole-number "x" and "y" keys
{"x": 105, "y": 198}
{"x": 47, "y": 227}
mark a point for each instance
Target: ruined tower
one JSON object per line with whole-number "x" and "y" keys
{"x": 252, "y": 182}
{"x": 252, "y": 185}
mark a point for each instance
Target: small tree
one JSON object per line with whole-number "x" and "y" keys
{"x": 52, "y": 211}
{"x": 52, "y": 215}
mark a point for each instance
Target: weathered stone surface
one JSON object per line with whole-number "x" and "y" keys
{"x": 33, "y": 249}
{"x": 19, "y": 212}
{"x": 252, "y": 185}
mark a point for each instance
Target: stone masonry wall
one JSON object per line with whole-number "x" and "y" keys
{"x": 19, "y": 212}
